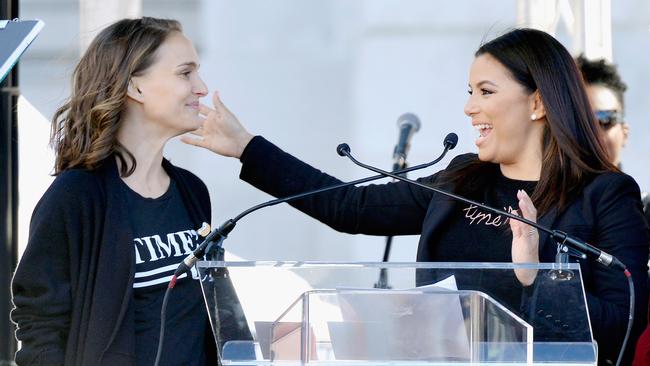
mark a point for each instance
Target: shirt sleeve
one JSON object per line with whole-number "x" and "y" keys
{"x": 622, "y": 232}
{"x": 43, "y": 283}
{"x": 612, "y": 207}
{"x": 376, "y": 209}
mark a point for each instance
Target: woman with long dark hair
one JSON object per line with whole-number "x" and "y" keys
{"x": 109, "y": 232}
{"x": 539, "y": 153}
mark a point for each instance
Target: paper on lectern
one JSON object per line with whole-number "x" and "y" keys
{"x": 424, "y": 323}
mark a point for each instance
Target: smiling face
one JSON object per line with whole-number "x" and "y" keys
{"x": 501, "y": 109}
{"x": 167, "y": 94}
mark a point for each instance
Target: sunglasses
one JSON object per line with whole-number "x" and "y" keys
{"x": 609, "y": 118}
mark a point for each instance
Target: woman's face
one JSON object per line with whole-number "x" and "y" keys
{"x": 501, "y": 109}
{"x": 604, "y": 99}
{"x": 170, "y": 89}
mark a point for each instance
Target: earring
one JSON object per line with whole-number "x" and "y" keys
{"x": 533, "y": 117}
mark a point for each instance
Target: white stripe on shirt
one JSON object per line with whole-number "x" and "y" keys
{"x": 157, "y": 281}
{"x": 171, "y": 267}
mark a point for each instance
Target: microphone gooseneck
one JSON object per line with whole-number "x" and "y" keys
{"x": 218, "y": 235}
{"x": 602, "y": 257}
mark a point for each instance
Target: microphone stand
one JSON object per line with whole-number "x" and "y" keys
{"x": 383, "y": 272}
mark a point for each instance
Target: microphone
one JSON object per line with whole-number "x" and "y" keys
{"x": 561, "y": 237}
{"x": 451, "y": 139}
{"x": 408, "y": 124}
{"x": 216, "y": 237}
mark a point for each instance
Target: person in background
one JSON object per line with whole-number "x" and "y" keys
{"x": 606, "y": 91}
{"x": 540, "y": 152}
{"x": 606, "y": 94}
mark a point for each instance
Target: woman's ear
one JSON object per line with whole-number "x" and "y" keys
{"x": 134, "y": 92}
{"x": 537, "y": 107}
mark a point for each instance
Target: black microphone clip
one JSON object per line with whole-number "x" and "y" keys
{"x": 213, "y": 243}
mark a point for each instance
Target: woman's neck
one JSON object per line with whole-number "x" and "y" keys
{"x": 527, "y": 164}
{"x": 524, "y": 169}
{"x": 149, "y": 179}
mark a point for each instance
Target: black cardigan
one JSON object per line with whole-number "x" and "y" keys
{"x": 606, "y": 213}
{"x": 74, "y": 283}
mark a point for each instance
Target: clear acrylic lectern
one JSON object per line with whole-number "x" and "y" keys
{"x": 292, "y": 313}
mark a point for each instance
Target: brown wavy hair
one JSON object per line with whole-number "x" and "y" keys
{"x": 573, "y": 151}
{"x": 84, "y": 129}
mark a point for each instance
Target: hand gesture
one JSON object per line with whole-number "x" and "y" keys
{"x": 221, "y": 132}
{"x": 525, "y": 239}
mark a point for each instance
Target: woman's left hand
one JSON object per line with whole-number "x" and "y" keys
{"x": 221, "y": 131}
{"x": 525, "y": 239}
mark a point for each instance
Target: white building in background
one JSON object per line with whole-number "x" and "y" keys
{"x": 309, "y": 75}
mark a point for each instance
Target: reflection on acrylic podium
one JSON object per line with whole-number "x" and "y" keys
{"x": 293, "y": 313}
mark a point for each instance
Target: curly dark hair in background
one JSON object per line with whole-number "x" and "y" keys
{"x": 601, "y": 72}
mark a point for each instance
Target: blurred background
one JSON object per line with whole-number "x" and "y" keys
{"x": 309, "y": 75}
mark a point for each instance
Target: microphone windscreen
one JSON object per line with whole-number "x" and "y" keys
{"x": 450, "y": 140}
{"x": 409, "y": 119}
{"x": 343, "y": 149}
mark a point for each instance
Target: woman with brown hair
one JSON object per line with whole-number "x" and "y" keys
{"x": 539, "y": 153}
{"x": 109, "y": 232}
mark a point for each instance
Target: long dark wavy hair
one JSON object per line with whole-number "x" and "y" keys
{"x": 84, "y": 129}
{"x": 573, "y": 152}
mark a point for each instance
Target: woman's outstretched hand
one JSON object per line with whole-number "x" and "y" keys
{"x": 221, "y": 132}
{"x": 525, "y": 239}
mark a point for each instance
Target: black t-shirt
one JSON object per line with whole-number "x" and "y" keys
{"x": 472, "y": 234}
{"x": 163, "y": 236}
